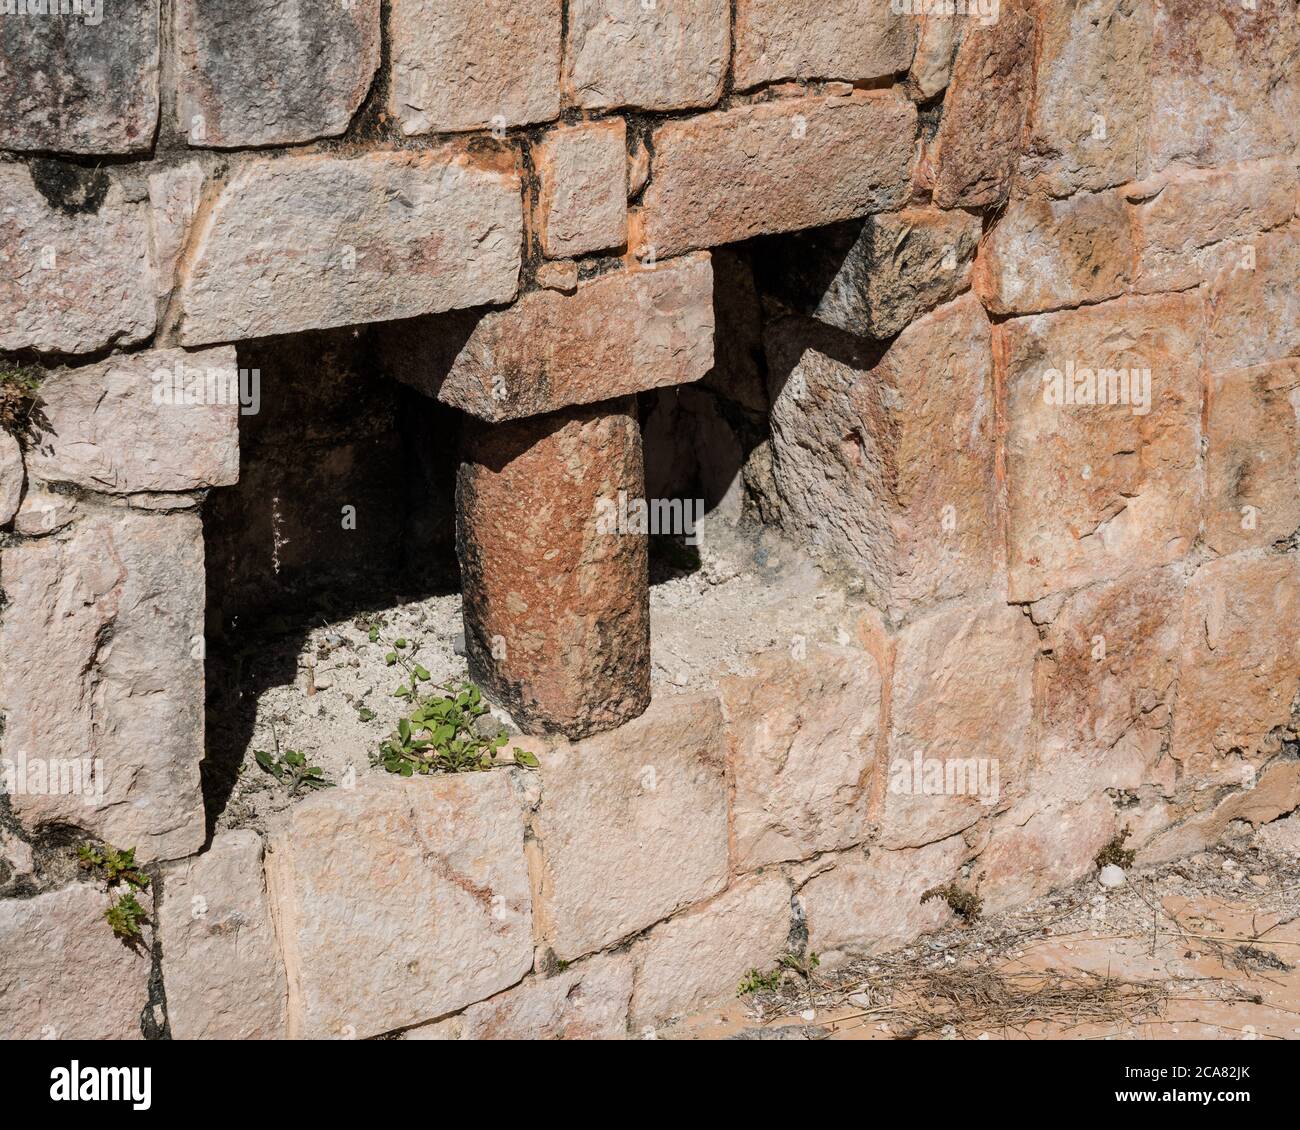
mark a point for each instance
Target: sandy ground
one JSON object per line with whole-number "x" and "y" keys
{"x": 1201, "y": 949}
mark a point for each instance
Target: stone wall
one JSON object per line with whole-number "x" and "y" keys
{"x": 950, "y": 224}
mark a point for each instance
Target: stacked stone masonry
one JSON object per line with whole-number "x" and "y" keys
{"x": 1033, "y": 384}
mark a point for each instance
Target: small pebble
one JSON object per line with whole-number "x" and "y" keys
{"x": 1112, "y": 876}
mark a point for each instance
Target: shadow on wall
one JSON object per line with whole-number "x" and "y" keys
{"x": 711, "y": 440}
{"x": 344, "y": 505}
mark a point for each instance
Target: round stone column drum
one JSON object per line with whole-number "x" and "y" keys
{"x": 556, "y": 597}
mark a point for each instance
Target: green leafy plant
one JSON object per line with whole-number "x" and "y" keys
{"x": 112, "y": 866}
{"x": 965, "y": 904}
{"x": 292, "y": 769}
{"x": 125, "y": 916}
{"x": 755, "y": 981}
{"x": 19, "y": 399}
{"x": 117, "y": 868}
{"x": 439, "y": 735}
{"x": 1115, "y": 853}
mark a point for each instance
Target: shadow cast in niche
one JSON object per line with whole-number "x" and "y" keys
{"x": 344, "y": 506}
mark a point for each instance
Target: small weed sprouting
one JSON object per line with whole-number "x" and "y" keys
{"x": 754, "y": 982}
{"x": 116, "y": 868}
{"x": 1116, "y": 854}
{"x": 292, "y": 768}
{"x": 440, "y": 733}
{"x": 966, "y": 905}
{"x": 804, "y": 966}
{"x": 112, "y": 866}
{"x": 19, "y": 400}
{"x": 125, "y": 916}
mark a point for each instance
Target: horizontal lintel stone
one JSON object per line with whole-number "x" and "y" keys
{"x": 617, "y": 334}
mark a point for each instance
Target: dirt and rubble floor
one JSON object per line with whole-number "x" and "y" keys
{"x": 326, "y": 689}
{"x": 1205, "y": 948}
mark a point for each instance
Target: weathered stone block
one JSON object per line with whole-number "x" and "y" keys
{"x": 871, "y": 902}
{"x": 221, "y": 960}
{"x": 775, "y": 167}
{"x": 820, "y": 39}
{"x": 559, "y": 274}
{"x": 556, "y": 598}
{"x": 1254, "y": 304}
{"x": 1047, "y": 254}
{"x": 874, "y": 277}
{"x": 1240, "y": 672}
{"x": 1038, "y": 847}
{"x": 890, "y": 465}
{"x": 801, "y": 739}
{"x": 619, "y": 333}
{"x": 43, "y": 512}
{"x": 83, "y": 83}
{"x": 175, "y": 193}
{"x": 1088, "y": 129}
{"x": 1108, "y": 689}
{"x": 101, "y": 682}
{"x": 936, "y": 43}
{"x": 124, "y": 424}
{"x": 1252, "y": 456}
{"x": 586, "y": 1001}
{"x": 583, "y": 172}
{"x": 632, "y": 826}
{"x": 424, "y": 877}
{"x": 75, "y": 274}
{"x": 700, "y": 956}
{"x": 1194, "y": 225}
{"x": 253, "y": 74}
{"x": 473, "y": 66}
{"x": 422, "y": 232}
{"x": 978, "y": 143}
{"x": 11, "y": 477}
{"x": 1224, "y": 85}
{"x": 961, "y": 721}
{"x": 1257, "y": 801}
{"x": 1103, "y": 405}
{"x": 63, "y": 974}
{"x": 668, "y": 55}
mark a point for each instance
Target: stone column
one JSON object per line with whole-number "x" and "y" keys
{"x": 557, "y": 615}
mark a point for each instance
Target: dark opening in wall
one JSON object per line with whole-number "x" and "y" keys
{"x": 338, "y": 541}
{"x": 344, "y": 507}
